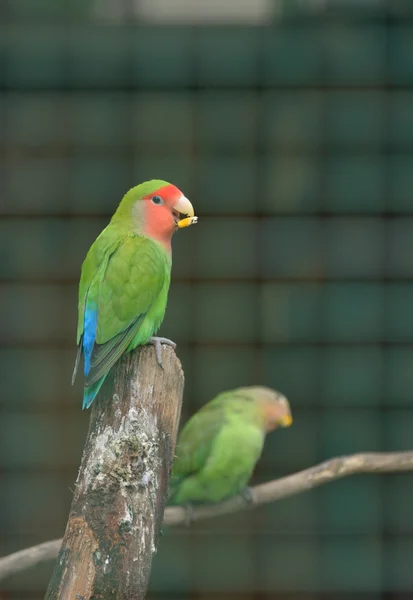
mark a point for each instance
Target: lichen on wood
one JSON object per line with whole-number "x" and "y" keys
{"x": 122, "y": 485}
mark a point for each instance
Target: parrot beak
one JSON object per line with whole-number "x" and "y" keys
{"x": 286, "y": 420}
{"x": 183, "y": 212}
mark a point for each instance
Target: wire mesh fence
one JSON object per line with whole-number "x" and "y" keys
{"x": 294, "y": 142}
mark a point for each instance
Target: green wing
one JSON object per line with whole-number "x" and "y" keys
{"x": 127, "y": 282}
{"x": 93, "y": 270}
{"x": 196, "y": 440}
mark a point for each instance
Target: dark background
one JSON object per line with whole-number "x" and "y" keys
{"x": 289, "y": 125}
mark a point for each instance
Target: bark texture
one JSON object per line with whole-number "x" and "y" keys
{"x": 122, "y": 485}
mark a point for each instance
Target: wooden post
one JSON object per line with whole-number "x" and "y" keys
{"x": 122, "y": 485}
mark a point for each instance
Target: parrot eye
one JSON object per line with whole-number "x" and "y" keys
{"x": 157, "y": 200}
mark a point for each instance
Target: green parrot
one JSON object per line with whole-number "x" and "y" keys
{"x": 218, "y": 447}
{"x": 125, "y": 280}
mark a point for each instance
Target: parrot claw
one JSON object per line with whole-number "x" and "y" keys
{"x": 157, "y": 342}
{"x": 246, "y": 495}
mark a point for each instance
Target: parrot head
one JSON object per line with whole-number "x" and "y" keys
{"x": 273, "y": 406}
{"x": 157, "y": 209}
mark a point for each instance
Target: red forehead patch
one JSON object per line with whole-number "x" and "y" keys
{"x": 167, "y": 192}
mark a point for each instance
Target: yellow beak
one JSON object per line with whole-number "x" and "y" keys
{"x": 286, "y": 420}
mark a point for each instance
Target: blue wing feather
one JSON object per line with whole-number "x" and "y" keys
{"x": 89, "y": 334}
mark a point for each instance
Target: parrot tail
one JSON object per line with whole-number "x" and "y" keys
{"x": 90, "y": 392}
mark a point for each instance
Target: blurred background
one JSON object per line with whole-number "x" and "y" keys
{"x": 289, "y": 125}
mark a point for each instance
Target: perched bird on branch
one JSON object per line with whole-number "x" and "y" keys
{"x": 219, "y": 446}
{"x": 125, "y": 280}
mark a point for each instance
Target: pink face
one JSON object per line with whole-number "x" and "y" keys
{"x": 276, "y": 413}
{"x": 162, "y": 211}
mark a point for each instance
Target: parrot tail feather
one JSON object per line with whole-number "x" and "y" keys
{"x": 79, "y": 354}
{"x": 90, "y": 392}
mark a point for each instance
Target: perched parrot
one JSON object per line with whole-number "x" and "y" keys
{"x": 219, "y": 446}
{"x": 125, "y": 280}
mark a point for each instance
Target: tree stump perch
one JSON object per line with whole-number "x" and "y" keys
{"x": 122, "y": 485}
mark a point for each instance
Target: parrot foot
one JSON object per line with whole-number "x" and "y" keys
{"x": 157, "y": 342}
{"x": 189, "y": 514}
{"x": 246, "y": 495}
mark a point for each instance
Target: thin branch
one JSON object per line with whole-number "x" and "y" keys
{"x": 303, "y": 481}
{"x": 29, "y": 557}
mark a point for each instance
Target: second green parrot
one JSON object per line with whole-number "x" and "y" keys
{"x": 125, "y": 279}
{"x": 219, "y": 446}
